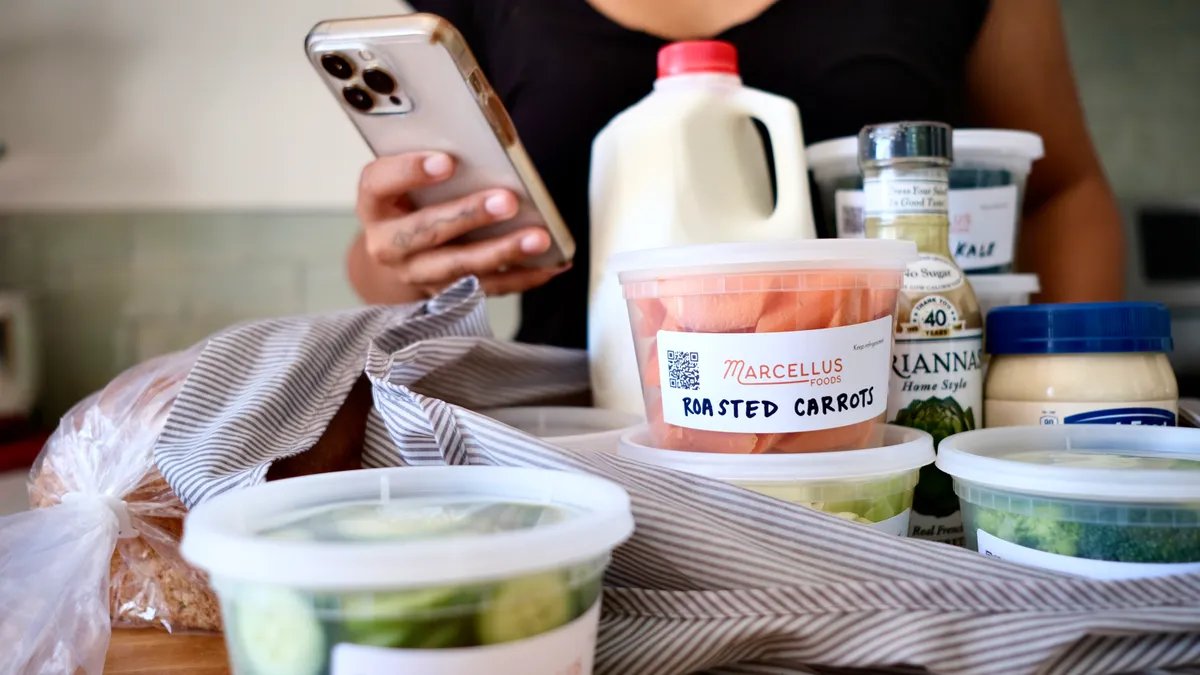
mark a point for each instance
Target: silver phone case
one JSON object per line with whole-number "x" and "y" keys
{"x": 449, "y": 107}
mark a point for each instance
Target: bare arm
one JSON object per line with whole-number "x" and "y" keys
{"x": 1019, "y": 77}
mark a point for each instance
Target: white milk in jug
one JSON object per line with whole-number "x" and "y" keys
{"x": 685, "y": 165}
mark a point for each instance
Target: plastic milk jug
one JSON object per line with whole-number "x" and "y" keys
{"x": 685, "y": 165}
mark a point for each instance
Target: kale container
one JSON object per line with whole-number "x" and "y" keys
{"x": 1099, "y": 501}
{"x": 431, "y": 570}
{"x": 987, "y": 191}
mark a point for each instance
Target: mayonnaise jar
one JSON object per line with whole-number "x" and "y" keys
{"x": 1087, "y": 363}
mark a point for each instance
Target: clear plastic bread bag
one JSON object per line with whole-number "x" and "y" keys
{"x": 100, "y": 548}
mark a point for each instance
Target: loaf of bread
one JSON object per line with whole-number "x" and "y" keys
{"x": 105, "y": 445}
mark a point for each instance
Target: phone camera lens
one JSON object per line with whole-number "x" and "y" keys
{"x": 337, "y": 66}
{"x": 379, "y": 81}
{"x": 358, "y": 98}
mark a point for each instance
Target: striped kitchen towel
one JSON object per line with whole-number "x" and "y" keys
{"x": 716, "y": 578}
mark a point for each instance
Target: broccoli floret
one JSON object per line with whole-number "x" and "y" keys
{"x": 1140, "y": 544}
{"x": 1043, "y": 531}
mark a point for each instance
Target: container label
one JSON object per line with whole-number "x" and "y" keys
{"x": 983, "y": 224}
{"x": 566, "y": 651}
{"x": 932, "y": 273}
{"x": 775, "y": 382}
{"x": 896, "y": 526}
{"x": 906, "y": 196}
{"x": 849, "y": 205}
{"x": 1104, "y": 570}
{"x": 937, "y": 382}
{"x": 944, "y": 529}
{"x": 999, "y": 413}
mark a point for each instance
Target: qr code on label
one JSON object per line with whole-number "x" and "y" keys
{"x": 683, "y": 370}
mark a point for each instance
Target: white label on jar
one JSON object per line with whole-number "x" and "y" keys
{"x": 775, "y": 382}
{"x": 932, "y": 273}
{"x": 848, "y": 206}
{"x": 905, "y": 196}
{"x": 982, "y": 225}
{"x": 566, "y": 651}
{"x": 1104, "y": 570}
{"x": 1000, "y": 413}
{"x": 946, "y": 529}
{"x": 896, "y": 526}
{"x": 944, "y": 373}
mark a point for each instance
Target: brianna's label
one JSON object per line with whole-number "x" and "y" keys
{"x": 999, "y": 413}
{"x": 775, "y": 382}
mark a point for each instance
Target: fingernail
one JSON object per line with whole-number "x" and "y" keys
{"x": 533, "y": 243}
{"x": 500, "y": 204}
{"x": 437, "y": 165}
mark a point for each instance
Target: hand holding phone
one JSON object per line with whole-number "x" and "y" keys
{"x": 414, "y": 250}
{"x": 453, "y": 191}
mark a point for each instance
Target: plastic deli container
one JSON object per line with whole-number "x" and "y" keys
{"x": 430, "y": 570}
{"x": 1003, "y": 290}
{"x": 764, "y": 347}
{"x": 1101, "y": 501}
{"x": 574, "y": 428}
{"x": 987, "y": 189}
{"x": 873, "y": 486}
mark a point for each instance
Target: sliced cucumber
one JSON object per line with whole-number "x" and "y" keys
{"x": 525, "y": 607}
{"x": 405, "y": 619}
{"x": 278, "y": 632}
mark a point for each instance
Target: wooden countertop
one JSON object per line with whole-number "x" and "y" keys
{"x": 154, "y": 652}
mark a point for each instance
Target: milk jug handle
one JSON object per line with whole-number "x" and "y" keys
{"x": 793, "y": 206}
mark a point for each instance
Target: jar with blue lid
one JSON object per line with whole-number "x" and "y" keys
{"x": 1085, "y": 363}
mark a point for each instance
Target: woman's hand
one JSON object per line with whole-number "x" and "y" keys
{"x": 403, "y": 254}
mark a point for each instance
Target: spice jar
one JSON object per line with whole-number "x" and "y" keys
{"x": 1088, "y": 363}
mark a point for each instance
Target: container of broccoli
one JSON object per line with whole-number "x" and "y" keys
{"x": 873, "y": 486}
{"x": 1102, "y": 501}
{"x": 421, "y": 569}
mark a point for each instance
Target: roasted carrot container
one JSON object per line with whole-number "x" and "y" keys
{"x": 764, "y": 347}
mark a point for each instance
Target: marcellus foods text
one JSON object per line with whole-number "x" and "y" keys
{"x": 782, "y": 382}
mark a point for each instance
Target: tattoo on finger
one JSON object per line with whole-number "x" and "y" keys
{"x": 422, "y": 235}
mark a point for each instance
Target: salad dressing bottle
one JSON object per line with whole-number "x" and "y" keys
{"x": 936, "y": 381}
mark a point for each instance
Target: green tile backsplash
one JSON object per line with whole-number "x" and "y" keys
{"x": 113, "y": 289}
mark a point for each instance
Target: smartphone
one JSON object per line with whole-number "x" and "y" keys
{"x": 409, "y": 83}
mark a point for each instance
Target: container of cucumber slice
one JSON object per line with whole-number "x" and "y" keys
{"x": 435, "y": 570}
{"x": 873, "y": 486}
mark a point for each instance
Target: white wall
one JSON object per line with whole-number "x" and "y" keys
{"x": 169, "y": 104}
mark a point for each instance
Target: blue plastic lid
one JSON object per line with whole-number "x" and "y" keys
{"x": 1081, "y": 328}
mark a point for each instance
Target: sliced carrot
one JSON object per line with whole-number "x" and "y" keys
{"x": 883, "y": 302}
{"x": 849, "y": 437}
{"x": 765, "y": 443}
{"x": 717, "y": 313}
{"x": 650, "y": 376}
{"x": 796, "y": 310}
{"x": 648, "y": 316}
{"x": 697, "y": 440}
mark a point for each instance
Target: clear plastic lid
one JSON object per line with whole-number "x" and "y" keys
{"x": 899, "y": 449}
{"x": 569, "y": 423}
{"x": 763, "y": 258}
{"x": 1004, "y": 284}
{"x": 973, "y": 142}
{"x": 407, "y": 527}
{"x": 1077, "y": 461}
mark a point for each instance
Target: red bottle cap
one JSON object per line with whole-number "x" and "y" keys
{"x": 699, "y": 56}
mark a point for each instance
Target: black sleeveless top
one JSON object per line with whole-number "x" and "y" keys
{"x": 563, "y": 70}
